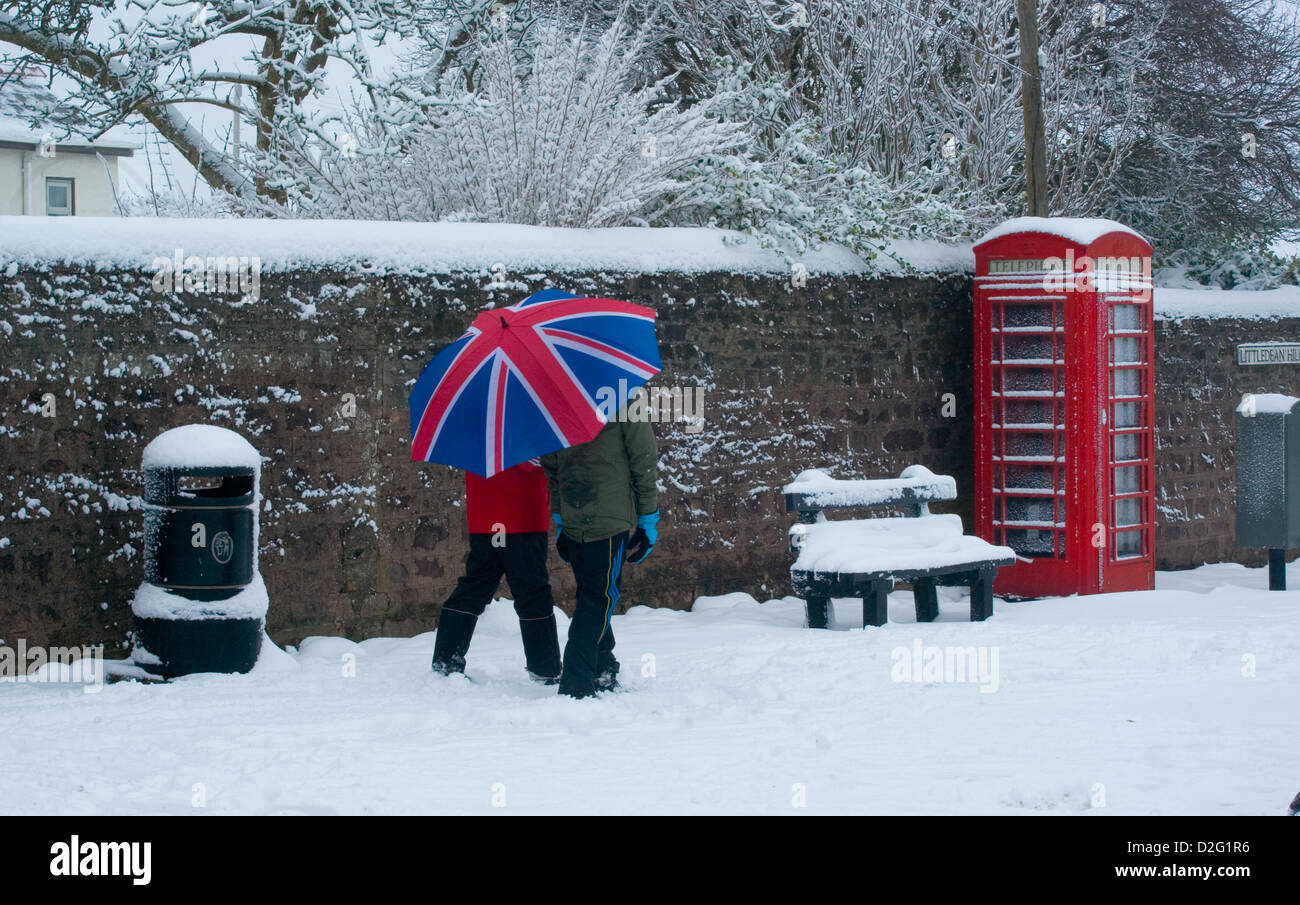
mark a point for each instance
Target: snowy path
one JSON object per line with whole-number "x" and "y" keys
{"x": 1140, "y": 693}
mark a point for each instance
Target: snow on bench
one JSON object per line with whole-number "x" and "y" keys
{"x": 887, "y": 545}
{"x": 863, "y": 557}
{"x": 815, "y": 489}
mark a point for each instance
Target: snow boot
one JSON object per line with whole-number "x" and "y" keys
{"x": 607, "y": 674}
{"x": 455, "y": 630}
{"x": 541, "y": 648}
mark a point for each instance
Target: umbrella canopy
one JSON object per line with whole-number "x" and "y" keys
{"x": 530, "y": 379}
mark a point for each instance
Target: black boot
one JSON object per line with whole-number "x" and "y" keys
{"x": 541, "y": 648}
{"x": 607, "y": 673}
{"x": 606, "y": 663}
{"x": 455, "y": 629}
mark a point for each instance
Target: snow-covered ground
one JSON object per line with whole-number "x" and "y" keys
{"x": 1177, "y": 701}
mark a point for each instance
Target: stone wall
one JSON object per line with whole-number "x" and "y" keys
{"x": 1198, "y": 385}
{"x": 846, "y": 372}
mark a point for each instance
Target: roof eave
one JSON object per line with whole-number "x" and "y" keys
{"x": 111, "y": 150}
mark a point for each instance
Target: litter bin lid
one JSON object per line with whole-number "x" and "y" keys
{"x": 1267, "y": 404}
{"x": 201, "y": 446}
{"x": 201, "y": 466}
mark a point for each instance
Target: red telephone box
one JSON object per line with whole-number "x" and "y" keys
{"x": 1064, "y": 405}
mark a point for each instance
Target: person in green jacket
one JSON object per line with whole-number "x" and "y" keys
{"x": 605, "y": 506}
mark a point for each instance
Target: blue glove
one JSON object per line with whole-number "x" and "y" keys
{"x": 643, "y": 540}
{"x": 648, "y": 524}
{"x": 561, "y": 542}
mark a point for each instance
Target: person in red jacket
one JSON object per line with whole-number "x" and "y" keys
{"x": 509, "y": 522}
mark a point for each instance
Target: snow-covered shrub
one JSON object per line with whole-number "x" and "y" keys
{"x": 556, "y": 125}
{"x": 1245, "y": 267}
{"x": 555, "y": 131}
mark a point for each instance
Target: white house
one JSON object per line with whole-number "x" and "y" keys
{"x": 48, "y": 170}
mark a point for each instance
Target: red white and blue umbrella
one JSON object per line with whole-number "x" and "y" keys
{"x": 530, "y": 379}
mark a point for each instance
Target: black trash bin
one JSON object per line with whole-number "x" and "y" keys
{"x": 1268, "y": 478}
{"x": 202, "y": 607}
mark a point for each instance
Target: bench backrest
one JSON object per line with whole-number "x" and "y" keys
{"x": 813, "y": 492}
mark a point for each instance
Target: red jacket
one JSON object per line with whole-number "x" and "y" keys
{"x": 516, "y": 498}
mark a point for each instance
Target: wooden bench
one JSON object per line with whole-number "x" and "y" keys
{"x": 864, "y": 557}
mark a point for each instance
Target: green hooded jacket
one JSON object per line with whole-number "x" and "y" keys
{"x": 600, "y": 487}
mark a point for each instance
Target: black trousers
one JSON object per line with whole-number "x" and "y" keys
{"x": 522, "y": 559}
{"x": 589, "y": 663}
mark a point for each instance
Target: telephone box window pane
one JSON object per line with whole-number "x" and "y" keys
{"x": 1027, "y": 380}
{"x": 1128, "y": 479}
{"x": 1027, "y": 316}
{"x": 1029, "y": 509}
{"x": 1126, "y": 317}
{"x": 1128, "y": 544}
{"x": 1128, "y": 513}
{"x": 1018, "y": 347}
{"x": 1128, "y": 414}
{"x": 1020, "y": 445}
{"x": 1028, "y": 411}
{"x": 1030, "y": 541}
{"x": 1126, "y": 383}
{"x": 1126, "y": 447}
{"x": 1029, "y": 477}
{"x": 1126, "y": 349}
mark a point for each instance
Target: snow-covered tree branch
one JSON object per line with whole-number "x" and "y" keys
{"x": 141, "y": 57}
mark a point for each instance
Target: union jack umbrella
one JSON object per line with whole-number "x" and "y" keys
{"x": 530, "y": 379}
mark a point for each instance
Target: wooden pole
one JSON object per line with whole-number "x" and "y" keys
{"x": 1031, "y": 91}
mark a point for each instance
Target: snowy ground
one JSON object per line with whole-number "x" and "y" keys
{"x": 1135, "y": 702}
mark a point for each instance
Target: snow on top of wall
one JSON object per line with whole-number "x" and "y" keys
{"x": 1082, "y": 230}
{"x": 198, "y": 445}
{"x": 927, "y": 256}
{"x": 1176, "y": 304}
{"x": 432, "y": 247}
{"x": 1267, "y": 403}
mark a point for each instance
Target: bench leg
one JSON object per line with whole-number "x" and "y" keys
{"x": 820, "y": 612}
{"x": 875, "y": 603}
{"x": 981, "y": 596}
{"x": 927, "y": 599}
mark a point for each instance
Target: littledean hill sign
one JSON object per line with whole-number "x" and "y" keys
{"x": 1268, "y": 354}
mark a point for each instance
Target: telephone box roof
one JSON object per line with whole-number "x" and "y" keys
{"x": 1081, "y": 230}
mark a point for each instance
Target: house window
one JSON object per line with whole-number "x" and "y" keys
{"x": 59, "y": 197}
